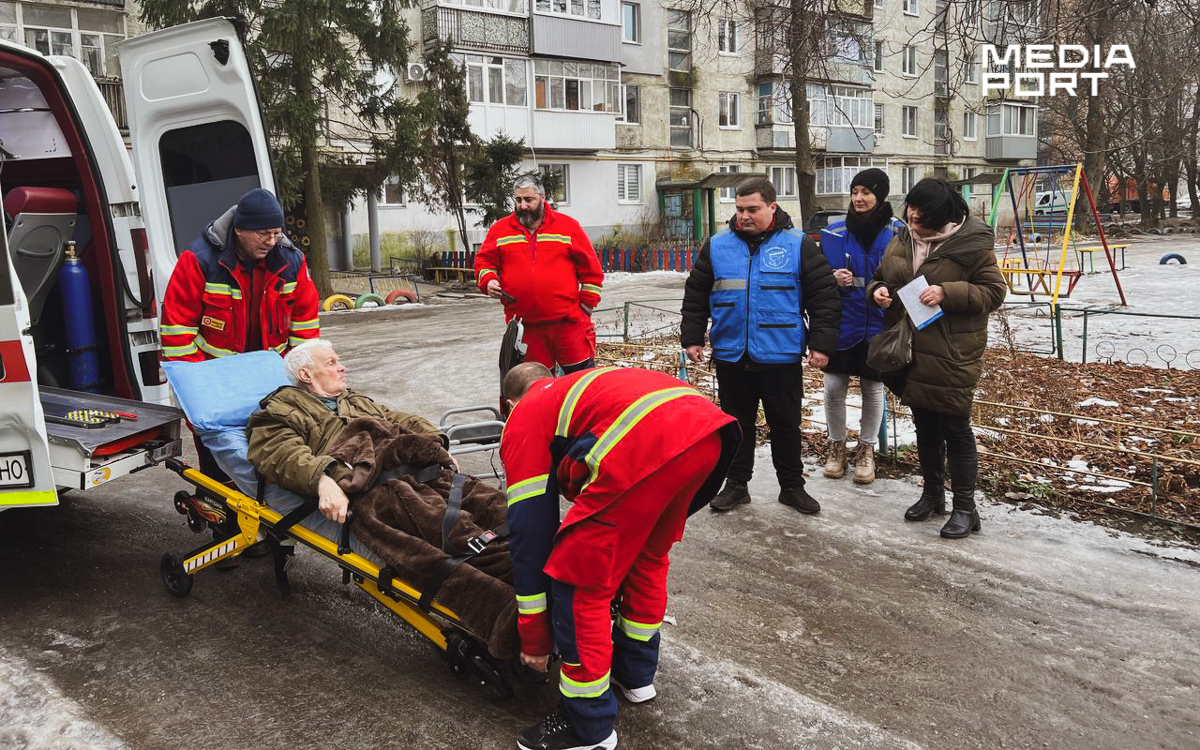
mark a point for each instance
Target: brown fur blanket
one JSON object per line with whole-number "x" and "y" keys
{"x": 401, "y": 521}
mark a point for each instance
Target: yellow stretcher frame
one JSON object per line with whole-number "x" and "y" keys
{"x": 441, "y": 626}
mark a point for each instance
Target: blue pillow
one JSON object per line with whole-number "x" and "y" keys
{"x": 220, "y": 394}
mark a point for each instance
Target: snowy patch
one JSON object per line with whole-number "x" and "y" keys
{"x": 1093, "y": 401}
{"x": 1088, "y": 422}
{"x": 35, "y": 714}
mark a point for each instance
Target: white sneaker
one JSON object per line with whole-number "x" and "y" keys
{"x": 637, "y": 695}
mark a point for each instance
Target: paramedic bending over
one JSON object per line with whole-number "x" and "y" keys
{"x": 292, "y": 434}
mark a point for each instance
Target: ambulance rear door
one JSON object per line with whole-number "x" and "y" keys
{"x": 196, "y": 130}
{"x": 25, "y": 475}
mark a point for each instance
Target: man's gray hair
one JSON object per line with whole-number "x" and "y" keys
{"x": 302, "y": 355}
{"x": 530, "y": 181}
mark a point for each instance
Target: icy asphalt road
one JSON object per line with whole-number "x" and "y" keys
{"x": 850, "y": 629}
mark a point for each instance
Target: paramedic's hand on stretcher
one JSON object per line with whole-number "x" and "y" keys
{"x": 539, "y": 663}
{"x": 333, "y": 502}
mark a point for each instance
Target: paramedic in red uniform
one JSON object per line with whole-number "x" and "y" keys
{"x": 637, "y": 452}
{"x": 543, "y": 266}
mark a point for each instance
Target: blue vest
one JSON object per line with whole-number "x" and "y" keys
{"x": 860, "y": 320}
{"x": 755, "y": 301}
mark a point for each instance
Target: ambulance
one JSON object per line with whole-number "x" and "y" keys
{"x": 90, "y": 235}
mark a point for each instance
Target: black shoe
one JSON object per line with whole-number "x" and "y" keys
{"x": 258, "y": 549}
{"x": 555, "y": 733}
{"x": 733, "y": 495}
{"x": 930, "y": 503}
{"x": 962, "y": 522}
{"x": 798, "y": 498}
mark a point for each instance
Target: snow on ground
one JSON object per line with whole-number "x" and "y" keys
{"x": 35, "y": 714}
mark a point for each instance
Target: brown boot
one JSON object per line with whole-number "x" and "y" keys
{"x": 835, "y": 460}
{"x": 864, "y": 464}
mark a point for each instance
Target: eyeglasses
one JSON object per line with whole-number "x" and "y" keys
{"x": 267, "y": 234}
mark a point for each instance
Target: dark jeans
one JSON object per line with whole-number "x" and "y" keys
{"x": 949, "y": 435}
{"x": 780, "y": 389}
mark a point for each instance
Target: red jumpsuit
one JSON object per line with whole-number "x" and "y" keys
{"x": 549, "y": 274}
{"x": 637, "y": 452}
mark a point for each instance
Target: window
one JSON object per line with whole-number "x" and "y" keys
{"x": 941, "y": 131}
{"x": 784, "y": 180}
{"x": 972, "y": 71}
{"x": 1012, "y": 119}
{"x": 576, "y": 86}
{"x": 87, "y": 34}
{"x": 580, "y": 8}
{"x": 879, "y": 118}
{"x": 681, "y": 118}
{"x": 629, "y": 183}
{"x": 911, "y": 8}
{"x": 877, "y": 61}
{"x": 910, "y": 60}
{"x": 393, "y": 192}
{"x": 941, "y": 69}
{"x": 848, "y": 40}
{"x": 908, "y": 178}
{"x": 775, "y": 103}
{"x": 727, "y": 41}
{"x": 878, "y": 4}
{"x": 495, "y": 80}
{"x": 517, "y": 7}
{"x": 849, "y": 107}
{"x": 558, "y": 175}
{"x": 631, "y": 23}
{"x": 633, "y": 104}
{"x": 970, "y": 130}
{"x": 910, "y": 122}
{"x": 834, "y": 173}
{"x": 728, "y": 105}
{"x": 679, "y": 40}
{"x": 727, "y": 193}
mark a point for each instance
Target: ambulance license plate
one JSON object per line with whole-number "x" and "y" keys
{"x": 16, "y": 470}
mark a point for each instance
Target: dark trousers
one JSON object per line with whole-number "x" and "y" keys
{"x": 780, "y": 390}
{"x": 948, "y": 435}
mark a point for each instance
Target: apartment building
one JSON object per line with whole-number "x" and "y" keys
{"x": 641, "y": 108}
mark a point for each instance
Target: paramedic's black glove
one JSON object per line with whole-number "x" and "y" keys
{"x": 333, "y": 503}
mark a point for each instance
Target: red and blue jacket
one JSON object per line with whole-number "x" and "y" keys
{"x": 591, "y": 436}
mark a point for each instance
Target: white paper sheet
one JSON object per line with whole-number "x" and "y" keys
{"x": 920, "y": 314}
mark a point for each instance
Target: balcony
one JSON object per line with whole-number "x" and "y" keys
{"x": 113, "y": 92}
{"x": 1011, "y": 147}
{"x": 574, "y": 131}
{"x": 470, "y": 29}
{"x": 780, "y": 137}
{"x": 558, "y": 36}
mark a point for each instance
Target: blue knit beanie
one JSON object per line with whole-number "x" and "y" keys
{"x": 258, "y": 209}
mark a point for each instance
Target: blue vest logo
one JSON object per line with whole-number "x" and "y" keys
{"x": 775, "y": 258}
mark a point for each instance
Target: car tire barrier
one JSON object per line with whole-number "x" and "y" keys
{"x": 337, "y": 302}
{"x": 400, "y": 297}
{"x": 1166, "y": 259}
{"x": 368, "y": 300}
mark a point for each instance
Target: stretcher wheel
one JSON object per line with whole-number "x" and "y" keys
{"x": 181, "y": 498}
{"x": 372, "y": 299}
{"x": 491, "y": 677}
{"x": 175, "y": 578}
{"x": 337, "y": 302}
{"x": 401, "y": 296}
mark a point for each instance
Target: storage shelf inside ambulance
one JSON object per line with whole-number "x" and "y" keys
{"x": 96, "y": 439}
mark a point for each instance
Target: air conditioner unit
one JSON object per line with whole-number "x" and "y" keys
{"x": 414, "y": 73}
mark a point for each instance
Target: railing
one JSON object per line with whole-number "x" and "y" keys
{"x": 113, "y": 91}
{"x": 665, "y": 257}
{"x": 474, "y": 29}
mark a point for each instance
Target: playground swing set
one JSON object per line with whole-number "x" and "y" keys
{"x": 1040, "y": 225}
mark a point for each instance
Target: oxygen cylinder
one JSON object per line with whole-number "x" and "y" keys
{"x": 83, "y": 365}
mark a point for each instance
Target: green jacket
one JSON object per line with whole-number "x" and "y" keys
{"x": 947, "y": 354}
{"x": 292, "y": 434}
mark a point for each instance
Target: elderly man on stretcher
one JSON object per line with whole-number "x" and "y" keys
{"x": 317, "y": 438}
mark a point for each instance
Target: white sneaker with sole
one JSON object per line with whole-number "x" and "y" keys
{"x": 637, "y": 695}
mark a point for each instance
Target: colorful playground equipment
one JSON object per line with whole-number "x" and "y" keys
{"x": 1041, "y": 228}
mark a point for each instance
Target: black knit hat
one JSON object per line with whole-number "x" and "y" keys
{"x": 875, "y": 180}
{"x": 258, "y": 209}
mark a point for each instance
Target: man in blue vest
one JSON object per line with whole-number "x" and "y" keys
{"x": 758, "y": 282}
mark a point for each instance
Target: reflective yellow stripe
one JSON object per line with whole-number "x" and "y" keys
{"x": 528, "y": 488}
{"x": 29, "y": 497}
{"x": 213, "y": 350}
{"x": 723, "y": 284}
{"x": 510, "y": 239}
{"x": 484, "y": 272}
{"x": 305, "y": 325}
{"x": 555, "y": 238}
{"x": 568, "y": 406}
{"x": 214, "y": 288}
{"x": 165, "y": 330}
{"x": 179, "y": 351}
{"x": 531, "y": 604}
{"x": 292, "y": 341}
{"x": 629, "y": 418}
{"x": 575, "y": 689}
{"x": 639, "y": 631}
{"x": 593, "y": 288}
{"x": 288, "y": 288}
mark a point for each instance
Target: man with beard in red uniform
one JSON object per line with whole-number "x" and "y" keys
{"x": 637, "y": 452}
{"x": 543, "y": 266}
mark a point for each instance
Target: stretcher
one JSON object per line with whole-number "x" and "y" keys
{"x": 245, "y": 380}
